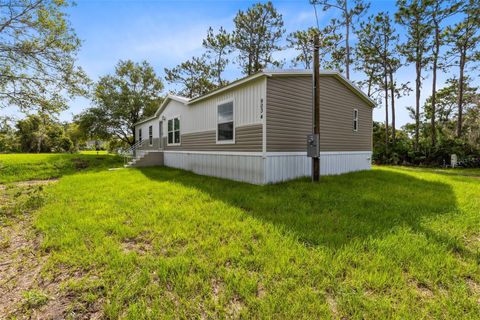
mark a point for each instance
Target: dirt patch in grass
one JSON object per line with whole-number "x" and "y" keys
{"x": 80, "y": 164}
{"x": 332, "y": 304}
{"x": 30, "y": 183}
{"x": 261, "y": 292}
{"x": 23, "y": 288}
{"x": 474, "y": 288}
{"x": 140, "y": 245}
{"x": 217, "y": 289}
{"x": 26, "y": 290}
{"x": 421, "y": 288}
{"x": 235, "y": 306}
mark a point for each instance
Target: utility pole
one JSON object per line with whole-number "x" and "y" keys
{"x": 316, "y": 108}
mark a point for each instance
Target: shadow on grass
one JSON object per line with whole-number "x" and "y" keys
{"x": 336, "y": 211}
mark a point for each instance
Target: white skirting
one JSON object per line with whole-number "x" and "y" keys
{"x": 284, "y": 166}
{"x": 273, "y": 167}
{"x": 246, "y": 168}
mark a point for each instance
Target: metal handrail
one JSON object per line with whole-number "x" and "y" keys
{"x": 131, "y": 152}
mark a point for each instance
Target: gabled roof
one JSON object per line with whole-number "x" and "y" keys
{"x": 169, "y": 97}
{"x": 264, "y": 73}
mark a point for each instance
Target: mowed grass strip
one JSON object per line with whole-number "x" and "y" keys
{"x": 22, "y": 167}
{"x": 165, "y": 243}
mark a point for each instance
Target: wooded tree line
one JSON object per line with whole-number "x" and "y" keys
{"x": 38, "y": 69}
{"x": 431, "y": 44}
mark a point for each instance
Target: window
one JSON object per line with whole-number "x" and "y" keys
{"x": 139, "y": 134}
{"x": 225, "y": 123}
{"x": 355, "y": 120}
{"x": 174, "y": 131}
{"x": 150, "y": 135}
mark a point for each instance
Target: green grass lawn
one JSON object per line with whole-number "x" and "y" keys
{"x": 164, "y": 243}
{"x": 21, "y": 167}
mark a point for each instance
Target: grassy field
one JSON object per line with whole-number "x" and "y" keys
{"x": 164, "y": 243}
{"x": 21, "y": 167}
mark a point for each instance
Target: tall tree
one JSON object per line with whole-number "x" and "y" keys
{"x": 122, "y": 99}
{"x": 349, "y": 16}
{"x": 195, "y": 77}
{"x": 414, "y": 16}
{"x": 440, "y": 10}
{"x": 366, "y": 61}
{"x": 218, "y": 46}
{"x": 38, "y": 49}
{"x": 256, "y": 36}
{"x": 463, "y": 38}
{"x": 301, "y": 41}
{"x": 447, "y": 107}
{"x": 377, "y": 42}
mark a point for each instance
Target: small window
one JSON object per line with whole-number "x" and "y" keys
{"x": 225, "y": 123}
{"x": 173, "y": 127}
{"x": 150, "y": 135}
{"x": 139, "y": 134}
{"x": 355, "y": 120}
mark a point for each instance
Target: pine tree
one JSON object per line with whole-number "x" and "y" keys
{"x": 349, "y": 16}
{"x": 256, "y": 37}
{"x": 414, "y": 16}
{"x": 463, "y": 39}
{"x": 440, "y": 10}
{"x": 377, "y": 42}
{"x": 218, "y": 46}
{"x": 301, "y": 41}
{"x": 195, "y": 77}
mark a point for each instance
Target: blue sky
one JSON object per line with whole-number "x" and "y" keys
{"x": 166, "y": 33}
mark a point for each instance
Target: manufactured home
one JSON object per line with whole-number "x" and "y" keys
{"x": 254, "y": 129}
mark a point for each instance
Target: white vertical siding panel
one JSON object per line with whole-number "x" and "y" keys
{"x": 202, "y": 116}
{"x": 273, "y": 168}
{"x": 286, "y": 167}
{"x": 246, "y": 168}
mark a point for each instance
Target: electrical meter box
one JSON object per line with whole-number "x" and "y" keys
{"x": 313, "y": 146}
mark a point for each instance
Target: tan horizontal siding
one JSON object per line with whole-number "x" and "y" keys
{"x": 289, "y": 115}
{"x": 247, "y": 139}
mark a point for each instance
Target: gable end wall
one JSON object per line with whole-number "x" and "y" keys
{"x": 289, "y": 115}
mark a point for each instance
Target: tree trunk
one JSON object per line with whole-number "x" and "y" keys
{"x": 369, "y": 92}
{"x": 386, "y": 110}
{"x": 39, "y": 143}
{"x": 460, "y": 93}
{"x": 418, "y": 83}
{"x": 434, "y": 99}
{"x": 434, "y": 82}
{"x": 347, "y": 43}
{"x": 392, "y": 102}
{"x": 134, "y": 133}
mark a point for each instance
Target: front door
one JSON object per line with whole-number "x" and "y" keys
{"x": 161, "y": 134}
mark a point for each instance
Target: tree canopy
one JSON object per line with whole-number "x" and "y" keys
{"x": 38, "y": 49}
{"x": 121, "y": 99}
{"x": 256, "y": 37}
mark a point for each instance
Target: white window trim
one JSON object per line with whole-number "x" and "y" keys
{"x": 217, "y": 123}
{"x": 355, "y": 120}
{"x": 180, "y": 131}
